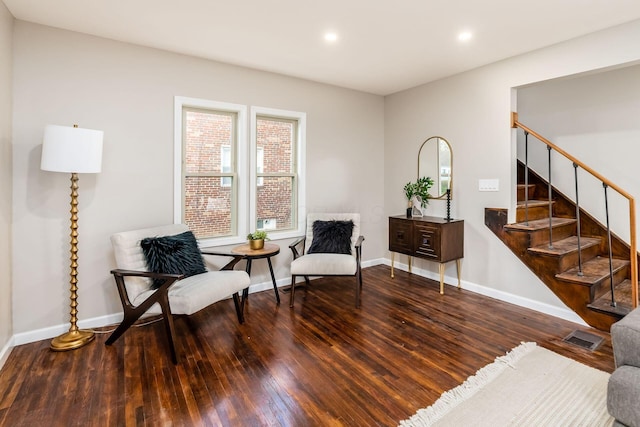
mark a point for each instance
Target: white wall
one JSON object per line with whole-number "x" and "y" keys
{"x": 596, "y": 118}
{"x": 361, "y": 150}
{"x": 472, "y": 110}
{"x": 127, "y": 91}
{"x": 6, "y": 63}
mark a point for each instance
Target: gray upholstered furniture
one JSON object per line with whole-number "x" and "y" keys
{"x": 623, "y": 393}
{"x": 327, "y": 264}
{"x": 178, "y": 294}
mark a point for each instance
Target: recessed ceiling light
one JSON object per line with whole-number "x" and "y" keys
{"x": 331, "y": 37}
{"x": 465, "y": 36}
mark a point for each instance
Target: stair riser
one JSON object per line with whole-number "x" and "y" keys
{"x": 521, "y": 190}
{"x": 534, "y": 213}
{"x": 571, "y": 260}
{"x": 540, "y": 237}
{"x": 602, "y": 287}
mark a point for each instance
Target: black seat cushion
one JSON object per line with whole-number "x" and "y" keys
{"x": 177, "y": 254}
{"x": 331, "y": 237}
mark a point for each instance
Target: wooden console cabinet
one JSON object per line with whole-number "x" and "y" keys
{"x": 430, "y": 238}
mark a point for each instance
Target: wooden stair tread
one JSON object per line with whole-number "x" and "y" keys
{"x": 593, "y": 271}
{"x": 539, "y": 224}
{"x": 565, "y": 246}
{"x": 624, "y": 304}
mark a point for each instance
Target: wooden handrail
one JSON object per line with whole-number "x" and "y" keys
{"x": 632, "y": 203}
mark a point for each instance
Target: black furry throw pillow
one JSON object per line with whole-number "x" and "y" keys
{"x": 331, "y": 237}
{"x": 177, "y": 254}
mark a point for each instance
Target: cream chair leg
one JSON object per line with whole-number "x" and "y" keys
{"x": 458, "y": 269}
{"x": 393, "y": 255}
{"x": 441, "y": 278}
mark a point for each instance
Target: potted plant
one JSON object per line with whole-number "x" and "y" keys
{"x": 409, "y": 192}
{"x": 257, "y": 239}
{"x": 418, "y": 190}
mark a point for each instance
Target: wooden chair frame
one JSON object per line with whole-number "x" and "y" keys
{"x": 161, "y": 296}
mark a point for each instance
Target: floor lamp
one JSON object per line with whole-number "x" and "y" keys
{"x": 72, "y": 150}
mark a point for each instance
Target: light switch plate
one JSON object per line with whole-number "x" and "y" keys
{"x": 489, "y": 185}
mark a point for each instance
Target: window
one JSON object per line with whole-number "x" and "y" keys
{"x": 208, "y": 163}
{"x": 278, "y": 149}
{"x": 226, "y": 185}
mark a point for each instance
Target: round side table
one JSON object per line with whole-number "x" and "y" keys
{"x": 249, "y": 254}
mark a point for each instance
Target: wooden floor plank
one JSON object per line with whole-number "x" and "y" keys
{"x": 321, "y": 363}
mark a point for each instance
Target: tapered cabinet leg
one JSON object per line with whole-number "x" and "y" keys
{"x": 393, "y": 257}
{"x": 441, "y": 278}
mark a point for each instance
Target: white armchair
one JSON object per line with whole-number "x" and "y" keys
{"x": 332, "y": 251}
{"x": 145, "y": 291}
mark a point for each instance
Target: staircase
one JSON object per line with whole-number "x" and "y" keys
{"x": 556, "y": 261}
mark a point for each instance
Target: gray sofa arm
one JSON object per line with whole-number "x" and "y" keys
{"x": 625, "y": 337}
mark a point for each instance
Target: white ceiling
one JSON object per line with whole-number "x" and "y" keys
{"x": 384, "y": 46}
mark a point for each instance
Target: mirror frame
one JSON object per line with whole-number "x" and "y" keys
{"x": 443, "y": 195}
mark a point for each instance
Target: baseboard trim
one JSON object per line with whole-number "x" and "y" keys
{"x": 374, "y": 262}
{"x": 559, "y": 312}
{"x": 6, "y": 351}
{"x": 54, "y": 331}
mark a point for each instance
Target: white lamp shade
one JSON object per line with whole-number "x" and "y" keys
{"x": 71, "y": 149}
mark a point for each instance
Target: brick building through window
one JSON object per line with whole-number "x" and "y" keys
{"x": 218, "y": 195}
{"x": 208, "y": 192}
{"x": 275, "y": 139}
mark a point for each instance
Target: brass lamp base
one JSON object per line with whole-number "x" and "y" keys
{"x": 72, "y": 340}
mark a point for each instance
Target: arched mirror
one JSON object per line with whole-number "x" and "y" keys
{"x": 435, "y": 160}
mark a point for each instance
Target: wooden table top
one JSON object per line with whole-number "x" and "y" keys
{"x": 269, "y": 249}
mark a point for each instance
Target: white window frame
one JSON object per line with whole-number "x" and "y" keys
{"x": 242, "y": 208}
{"x": 300, "y": 196}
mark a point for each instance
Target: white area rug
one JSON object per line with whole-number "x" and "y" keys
{"x": 529, "y": 386}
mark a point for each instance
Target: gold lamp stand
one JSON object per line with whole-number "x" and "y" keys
{"x": 72, "y": 150}
{"x": 75, "y": 338}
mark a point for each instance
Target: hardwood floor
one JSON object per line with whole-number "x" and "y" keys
{"x": 323, "y": 363}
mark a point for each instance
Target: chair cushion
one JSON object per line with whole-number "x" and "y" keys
{"x": 324, "y": 265}
{"x": 331, "y": 237}
{"x": 194, "y": 293}
{"x": 623, "y": 395}
{"x": 177, "y": 254}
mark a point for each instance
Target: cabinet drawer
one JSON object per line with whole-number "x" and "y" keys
{"x": 400, "y": 236}
{"x": 427, "y": 241}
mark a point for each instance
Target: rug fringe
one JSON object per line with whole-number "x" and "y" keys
{"x": 449, "y": 399}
